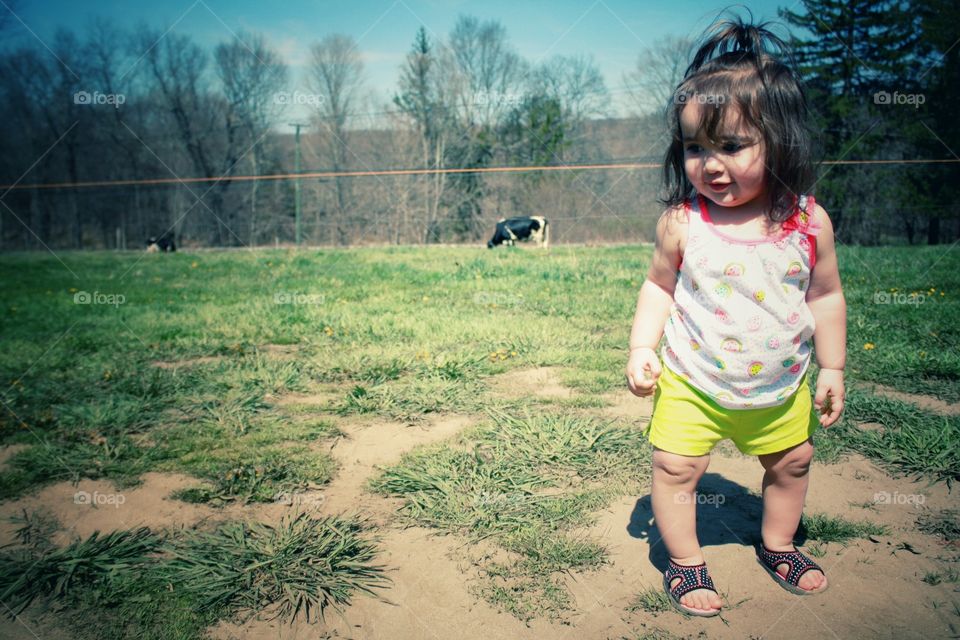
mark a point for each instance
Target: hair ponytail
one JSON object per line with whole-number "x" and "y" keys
{"x": 735, "y": 40}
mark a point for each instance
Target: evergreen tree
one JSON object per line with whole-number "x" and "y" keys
{"x": 535, "y": 134}
{"x": 857, "y": 59}
{"x": 938, "y": 135}
{"x": 418, "y": 97}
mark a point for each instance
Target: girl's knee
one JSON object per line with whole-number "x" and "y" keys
{"x": 678, "y": 469}
{"x": 794, "y": 461}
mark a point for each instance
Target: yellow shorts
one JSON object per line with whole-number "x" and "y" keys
{"x": 687, "y": 422}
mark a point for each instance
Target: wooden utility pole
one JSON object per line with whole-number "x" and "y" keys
{"x": 296, "y": 181}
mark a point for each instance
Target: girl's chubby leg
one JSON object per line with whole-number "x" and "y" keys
{"x": 785, "y": 483}
{"x": 675, "y": 479}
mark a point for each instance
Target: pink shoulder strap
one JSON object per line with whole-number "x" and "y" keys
{"x": 691, "y": 216}
{"x": 803, "y": 220}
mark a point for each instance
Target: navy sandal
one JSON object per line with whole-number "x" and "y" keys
{"x": 691, "y": 577}
{"x": 798, "y": 565}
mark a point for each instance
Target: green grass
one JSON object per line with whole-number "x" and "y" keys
{"x": 522, "y": 593}
{"x": 92, "y": 566}
{"x": 912, "y": 441}
{"x": 173, "y": 585}
{"x": 895, "y": 304}
{"x": 654, "y": 634}
{"x": 526, "y": 484}
{"x": 944, "y": 523}
{"x": 651, "y": 600}
{"x": 301, "y": 567}
{"x": 948, "y": 575}
{"x": 402, "y": 334}
{"x": 825, "y": 528}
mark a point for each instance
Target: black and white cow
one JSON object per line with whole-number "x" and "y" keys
{"x": 509, "y": 230}
{"x": 164, "y": 243}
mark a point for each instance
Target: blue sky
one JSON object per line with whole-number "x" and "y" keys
{"x": 613, "y": 31}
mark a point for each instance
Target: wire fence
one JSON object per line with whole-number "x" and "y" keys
{"x": 601, "y": 202}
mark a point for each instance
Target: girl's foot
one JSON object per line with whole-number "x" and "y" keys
{"x": 792, "y": 570}
{"x": 691, "y": 589}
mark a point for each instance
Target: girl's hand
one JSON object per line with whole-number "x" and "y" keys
{"x": 643, "y": 369}
{"x": 828, "y": 399}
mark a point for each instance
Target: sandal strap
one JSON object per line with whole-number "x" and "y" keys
{"x": 691, "y": 577}
{"x": 798, "y": 563}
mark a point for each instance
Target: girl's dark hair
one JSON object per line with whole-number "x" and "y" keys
{"x": 743, "y": 68}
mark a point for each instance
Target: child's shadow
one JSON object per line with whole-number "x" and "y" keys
{"x": 726, "y": 513}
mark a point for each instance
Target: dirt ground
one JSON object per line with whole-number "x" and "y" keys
{"x": 876, "y": 585}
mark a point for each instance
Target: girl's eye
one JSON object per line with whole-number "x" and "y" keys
{"x": 731, "y": 147}
{"x": 693, "y": 148}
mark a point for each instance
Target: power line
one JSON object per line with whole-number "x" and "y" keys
{"x": 411, "y": 172}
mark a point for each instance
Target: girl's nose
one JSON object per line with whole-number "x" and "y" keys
{"x": 712, "y": 165}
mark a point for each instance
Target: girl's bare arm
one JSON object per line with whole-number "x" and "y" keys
{"x": 654, "y": 301}
{"x": 829, "y": 308}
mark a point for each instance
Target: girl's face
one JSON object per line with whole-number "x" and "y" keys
{"x": 730, "y": 171}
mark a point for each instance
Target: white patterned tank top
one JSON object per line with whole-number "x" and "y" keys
{"x": 740, "y": 329}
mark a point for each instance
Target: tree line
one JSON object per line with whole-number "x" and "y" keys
{"x": 115, "y": 104}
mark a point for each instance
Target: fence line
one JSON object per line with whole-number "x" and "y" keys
{"x": 408, "y": 172}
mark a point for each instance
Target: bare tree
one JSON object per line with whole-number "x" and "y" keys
{"x": 47, "y": 87}
{"x": 106, "y": 58}
{"x": 659, "y": 70}
{"x": 178, "y": 80}
{"x": 252, "y": 75}
{"x": 482, "y": 78}
{"x": 28, "y": 91}
{"x": 420, "y": 99}
{"x": 577, "y": 84}
{"x": 336, "y": 77}
{"x": 571, "y": 85}
{"x": 487, "y": 74}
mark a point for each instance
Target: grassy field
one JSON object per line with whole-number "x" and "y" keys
{"x": 113, "y": 365}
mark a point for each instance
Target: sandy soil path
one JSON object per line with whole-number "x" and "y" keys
{"x": 876, "y": 586}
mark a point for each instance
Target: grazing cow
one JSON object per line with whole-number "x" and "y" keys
{"x": 509, "y": 230}
{"x": 164, "y": 243}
